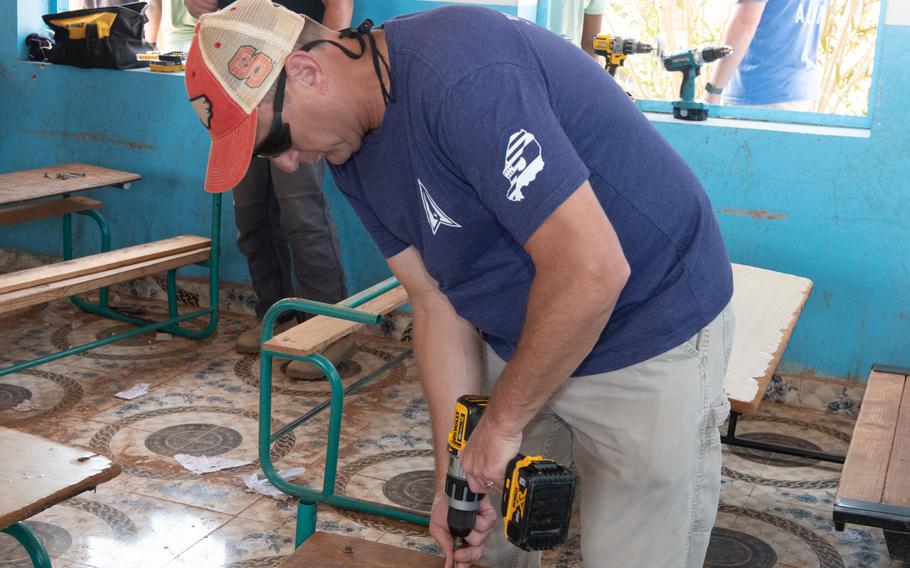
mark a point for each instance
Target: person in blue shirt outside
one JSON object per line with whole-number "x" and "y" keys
{"x": 774, "y": 62}
{"x": 585, "y": 286}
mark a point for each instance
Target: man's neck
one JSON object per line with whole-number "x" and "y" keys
{"x": 376, "y": 104}
{"x": 359, "y": 88}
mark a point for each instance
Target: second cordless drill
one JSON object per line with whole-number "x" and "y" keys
{"x": 689, "y": 63}
{"x": 537, "y": 492}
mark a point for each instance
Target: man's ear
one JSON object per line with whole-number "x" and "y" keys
{"x": 303, "y": 71}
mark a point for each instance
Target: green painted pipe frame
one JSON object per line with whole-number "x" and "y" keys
{"x": 171, "y": 325}
{"x": 36, "y": 551}
{"x": 308, "y": 498}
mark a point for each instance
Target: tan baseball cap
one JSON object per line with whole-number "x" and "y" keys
{"x": 236, "y": 55}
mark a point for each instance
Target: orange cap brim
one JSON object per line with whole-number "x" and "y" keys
{"x": 230, "y": 155}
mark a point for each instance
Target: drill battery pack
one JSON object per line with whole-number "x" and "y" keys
{"x": 537, "y": 502}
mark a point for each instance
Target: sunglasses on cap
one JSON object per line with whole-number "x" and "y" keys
{"x": 278, "y": 140}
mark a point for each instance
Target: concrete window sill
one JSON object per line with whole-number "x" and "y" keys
{"x": 811, "y": 129}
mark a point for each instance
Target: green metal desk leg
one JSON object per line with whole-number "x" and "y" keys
{"x": 306, "y": 521}
{"x": 309, "y": 498}
{"x": 32, "y": 545}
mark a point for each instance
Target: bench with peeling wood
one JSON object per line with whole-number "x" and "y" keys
{"x": 37, "y": 474}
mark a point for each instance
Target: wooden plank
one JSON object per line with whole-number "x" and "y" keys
{"x": 767, "y": 304}
{"x": 37, "y": 474}
{"x": 328, "y": 550}
{"x": 897, "y": 482}
{"x": 100, "y": 262}
{"x": 16, "y": 187}
{"x": 319, "y": 332}
{"x": 52, "y": 290}
{"x": 55, "y": 208}
{"x": 863, "y": 476}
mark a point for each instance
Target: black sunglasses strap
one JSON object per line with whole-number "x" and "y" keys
{"x": 364, "y": 29}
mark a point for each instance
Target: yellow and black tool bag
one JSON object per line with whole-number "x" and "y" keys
{"x": 100, "y": 37}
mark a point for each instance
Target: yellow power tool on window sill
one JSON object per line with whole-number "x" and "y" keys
{"x": 616, "y": 50}
{"x": 537, "y": 493}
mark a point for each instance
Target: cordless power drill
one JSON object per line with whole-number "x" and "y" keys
{"x": 537, "y": 492}
{"x": 616, "y": 49}
{"x": 689, "y": 64}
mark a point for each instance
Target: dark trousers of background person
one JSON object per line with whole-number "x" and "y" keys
{"x": 280, "y": 217}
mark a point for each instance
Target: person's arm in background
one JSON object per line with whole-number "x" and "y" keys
{"x": 738, "y": 34}
{"x": 198, "y": 7}
{"x": 448, "y": 353}
{"x": 337, "y": 14}
{"x": 153, "y": 13}
{"x": 592, "y": 26}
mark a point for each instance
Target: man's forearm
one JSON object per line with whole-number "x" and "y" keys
{"x": 726, "y": 67}
{"x": 566, "y": 314}
{"x": 738, "y": 35}
{"x": 448, "y": 355}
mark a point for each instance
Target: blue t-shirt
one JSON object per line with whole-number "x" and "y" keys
{"x": 496, "y": 122}
{"x": 782, "y": 62}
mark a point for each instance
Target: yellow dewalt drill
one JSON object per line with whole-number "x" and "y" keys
{"x": 617, "y": 49}
{"x": 537, "y": 492}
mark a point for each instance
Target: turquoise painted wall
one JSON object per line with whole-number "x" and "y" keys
{"x": 835, "y": 207}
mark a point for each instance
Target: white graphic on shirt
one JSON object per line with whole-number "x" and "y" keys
{"x": 523, "y": 162}
{"x": 435, "y": 215}
{"x": 814, "y": 13}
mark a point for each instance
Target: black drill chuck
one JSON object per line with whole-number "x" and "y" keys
{"x": 714, "y": 53}
{"x": 463, "y": 503}
{"x": 631, "y": 47}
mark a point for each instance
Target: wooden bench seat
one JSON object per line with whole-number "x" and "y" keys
{"x": 317, "y": 333}
{"x": 874, "y": 487}
{"x": 47, "y": 210}
{"x": 328, "y": 550}
{"x": 44, "y": 283}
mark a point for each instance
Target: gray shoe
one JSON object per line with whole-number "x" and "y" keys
{"x": 337, "y": 353}
{"x": 248, "y": 341}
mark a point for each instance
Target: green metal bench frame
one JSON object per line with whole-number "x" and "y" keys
{"x": 171, "y": 325}
{"x": 36, "y": 551}
{"x": 307, "y": 497}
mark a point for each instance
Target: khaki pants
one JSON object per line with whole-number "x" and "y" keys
{"x": 646, "y": 444}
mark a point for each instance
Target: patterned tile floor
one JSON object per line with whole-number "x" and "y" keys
{"x": 775, "y": 511}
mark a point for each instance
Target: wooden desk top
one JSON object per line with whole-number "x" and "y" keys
{"x": 767, "y": 305}
{"x": 36, "y": 474}
{"x": 16, "y": 187}
{"x": 327, "y": 550}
